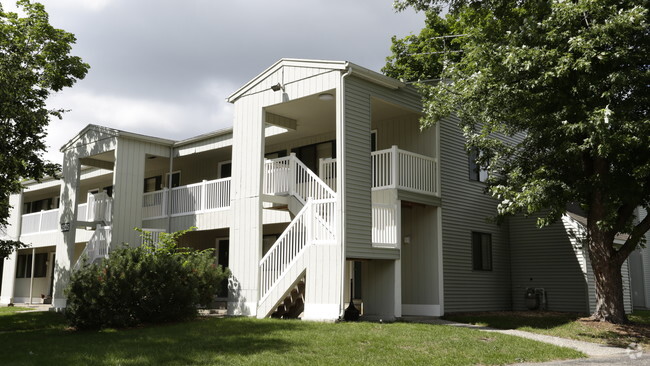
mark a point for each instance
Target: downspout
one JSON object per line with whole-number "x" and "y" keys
{"x": 169, "y": 189}
{"x": 339, "y": 183}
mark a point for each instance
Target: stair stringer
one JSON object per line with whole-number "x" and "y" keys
{"x": 283, "y": 286}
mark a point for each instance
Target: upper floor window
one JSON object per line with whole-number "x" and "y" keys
{"x": 153, "y": 184}
{"x": 225, "y": 169}
{"x": 310, "y": 154}
{"x": 476, "y": 172}
{"x": 482, "y": 251}
{"x": 40, "y": 205}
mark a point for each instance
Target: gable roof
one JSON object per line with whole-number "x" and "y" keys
{"x": 112, "y": 132}
{"x": 347, "y": 66}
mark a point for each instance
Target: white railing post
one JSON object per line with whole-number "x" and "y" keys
{"x": 163, "y": 202}
{"x": 203, "y": 197}
{"x": 40, "y": 221}
{"x": 394, "y": 166}
{"x": 292, "y": 174}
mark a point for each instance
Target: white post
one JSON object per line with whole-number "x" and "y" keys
{"x": 40, "y": 221}
{"x": 292, "y": 174}
{"x": 394, "y": 166}
{"x": 31, "y": 281}
{"x": 320, "y": 169}
{"x": 203, "y": 197}
{"x": 163, "y": 210}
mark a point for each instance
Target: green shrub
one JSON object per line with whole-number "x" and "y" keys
{"x": 153, "y": 283}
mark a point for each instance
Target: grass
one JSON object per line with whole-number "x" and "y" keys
{"x": 43, "y": 338}
{"x": 566, "y": 325}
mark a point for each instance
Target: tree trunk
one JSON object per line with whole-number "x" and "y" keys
{"x": 609, "y": 283}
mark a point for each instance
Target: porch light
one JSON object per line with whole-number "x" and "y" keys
{"x": 325, "y": 96}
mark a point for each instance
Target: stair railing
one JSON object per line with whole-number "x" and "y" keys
{"x": 289, "y": 176}
{"x": 98, "y": 246}
{"x": 315, "y": 223}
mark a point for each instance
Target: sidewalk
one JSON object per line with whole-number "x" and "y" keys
{"x": 588, "y": 348}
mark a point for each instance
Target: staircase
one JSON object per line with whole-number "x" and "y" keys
{"x": 283, "y": 269}
{"x": 97, "y": 247}
{"x": 97, "y": 211}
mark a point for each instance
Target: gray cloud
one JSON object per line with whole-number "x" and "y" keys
{"x": 164, "y": 67}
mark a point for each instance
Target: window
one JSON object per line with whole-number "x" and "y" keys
{"x": 276, "y": 154}
{"x": 309, "y": 154}
{"x": 224, "y": 169}
{"x": 482, "y": 251}
{"x": 373, "y": 140}
{"x": 40, "y": 205}
{"x": 153, "y": 184}
{"x": 24, "y": 265}
{"x": 476, "y": 172}
{"x": 176, "y": 179}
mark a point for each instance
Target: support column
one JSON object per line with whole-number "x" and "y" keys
{"x": 13, "y": 232}
{"x": 246, "y": 206}
{"x": 68, "y": 220}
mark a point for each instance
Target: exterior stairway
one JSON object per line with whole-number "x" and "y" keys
{"x": 284, "y": 267}
{"x": 98, "y": 211}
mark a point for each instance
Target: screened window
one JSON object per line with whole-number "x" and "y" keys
{"x": 482, "y": 251}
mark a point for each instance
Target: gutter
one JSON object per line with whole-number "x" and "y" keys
{"x": 340, "y": 179}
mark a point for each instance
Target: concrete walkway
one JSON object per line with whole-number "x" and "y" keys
{"x": 588, "y": 348}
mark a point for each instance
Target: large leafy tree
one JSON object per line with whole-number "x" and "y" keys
{"x": 35, "y": 60}
{"x": 569, "y": 80}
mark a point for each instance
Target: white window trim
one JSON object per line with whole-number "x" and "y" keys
{"x": 220, "y": 164}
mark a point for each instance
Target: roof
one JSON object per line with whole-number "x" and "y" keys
{"x": 342, "y": 66}
{"x": 581, "y": 218}
{"x": 115, "y": 133}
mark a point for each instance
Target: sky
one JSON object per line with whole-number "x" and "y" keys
{"x": 164, "y": 68}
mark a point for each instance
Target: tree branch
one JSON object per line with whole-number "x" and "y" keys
{"x": 635, "y": 237}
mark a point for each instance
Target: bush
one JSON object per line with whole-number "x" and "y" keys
{"x": 149, "y": 284}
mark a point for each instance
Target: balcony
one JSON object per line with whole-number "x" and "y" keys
{"x": 209, "y": 195}
{"x": 40, "y": 222}
{"x": 99, "y": 208}
{"x": 394, "y": 168}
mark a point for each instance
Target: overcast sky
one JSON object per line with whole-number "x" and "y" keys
{"x": 164, "y": 68}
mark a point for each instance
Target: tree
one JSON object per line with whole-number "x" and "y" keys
{"x": 570, "y": 80}
{"x": 35, "y": 60}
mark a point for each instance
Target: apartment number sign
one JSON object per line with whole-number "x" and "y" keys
{"x": 65, "y": 227}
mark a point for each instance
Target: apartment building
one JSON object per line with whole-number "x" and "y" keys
{"x": 324, "y": 189}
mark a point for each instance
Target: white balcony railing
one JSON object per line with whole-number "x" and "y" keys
{"x": 193, "y": 198}
{"x": 384, "y": 225}
{"x": 40, "y": 222}
{"x": 98, "y": 208}
{"x": 394, "y": 168}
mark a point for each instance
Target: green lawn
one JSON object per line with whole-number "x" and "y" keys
{"x": 43, "y": 338}
{"x": 566, "y": 325}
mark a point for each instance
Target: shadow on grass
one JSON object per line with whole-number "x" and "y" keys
{"x": 516, "y": 319}
{"x": 199, "y": 341}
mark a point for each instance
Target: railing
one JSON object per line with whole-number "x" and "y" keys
{"x": 98, "y": 246}
{"x": 151, "y": 237}
{"x": 384, "y": 225}
{"x": 192, "y": 198}
{"x": 99, "y": 207}
{"x": 395, "y": 168}
{"x": 154, "y": 204}
{"x": 40, "y": 222}
{"x": 289, "y": 175}
{"x": 327, "y": 172}
{"x": 314, "y": 224}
